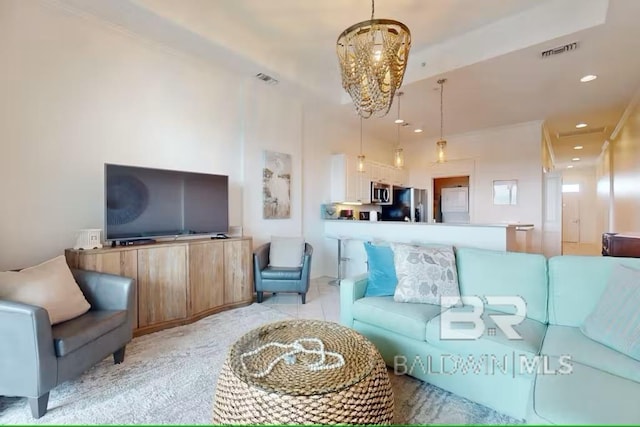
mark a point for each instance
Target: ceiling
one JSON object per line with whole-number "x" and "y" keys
{"x": 489, "y": 51}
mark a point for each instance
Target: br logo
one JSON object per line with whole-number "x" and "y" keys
{"x": 466, "y": 323}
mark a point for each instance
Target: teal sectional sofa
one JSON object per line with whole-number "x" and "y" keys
{"x": 553, "y": 374}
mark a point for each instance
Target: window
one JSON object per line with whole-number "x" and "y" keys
{"x": 570, "y": 188}
{"x": 505, "y": 192}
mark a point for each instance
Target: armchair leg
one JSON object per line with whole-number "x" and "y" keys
{"x": 39, "y": 405}
{"x": 259, "y": 295}
{"x": 118, "y": 356}
{"x": 304, "y": 297}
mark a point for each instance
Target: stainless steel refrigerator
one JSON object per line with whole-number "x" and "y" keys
{"x": 409, "y": 205}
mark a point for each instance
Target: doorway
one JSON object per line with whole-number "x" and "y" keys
{"x": 571, "y": 217}
{"x": 579, "y": 206}
{"x": 451, "y": 199}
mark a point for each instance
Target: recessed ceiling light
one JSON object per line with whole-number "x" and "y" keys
{"x": 570, "y": 167}
{"x": 588, "y": 78}
{"x": 578, "y": 147}
{"x": 398, "y": 121}
{"x": 575, "y": 159}
{"x": 417, "y": 130}
{"x": 581, "y": 125}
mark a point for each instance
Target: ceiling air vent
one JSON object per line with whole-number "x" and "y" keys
{"x": 267, "y": 79}
{"x": 560, "y": 49}
{"x": 580, "y": 132}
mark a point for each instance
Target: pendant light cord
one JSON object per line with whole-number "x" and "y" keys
{"x": 361, "y": 135}
{"x": 398, "y": 118}
{"x": 373, "y": 8}
{"x": 441, "y": 109}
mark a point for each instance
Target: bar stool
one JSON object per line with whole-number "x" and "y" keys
{"x": 341, "y": 259}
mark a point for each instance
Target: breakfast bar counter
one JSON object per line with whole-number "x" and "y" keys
{"x": 500, "y": 237}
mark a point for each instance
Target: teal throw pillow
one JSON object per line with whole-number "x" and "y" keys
{"x": 615, "y": 321}
{"x": 382, "y": 272}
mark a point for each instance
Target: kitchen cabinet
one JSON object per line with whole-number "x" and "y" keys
{"x": 347, "y": 184}
{"x": 376, "y": 171}
{"x": 398, "y": 176}
{"x": 388, "y": 174}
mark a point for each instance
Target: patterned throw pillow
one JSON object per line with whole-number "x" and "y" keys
{"x": 615, "y": 321}
{"x": 424, "y": 273}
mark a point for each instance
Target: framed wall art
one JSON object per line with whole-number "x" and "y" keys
{"x": 276, "y": 185}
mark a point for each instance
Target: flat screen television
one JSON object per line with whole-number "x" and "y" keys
{"x": 143, "y": 203}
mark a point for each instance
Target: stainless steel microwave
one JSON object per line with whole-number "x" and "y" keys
{"x": 381, "y": 194}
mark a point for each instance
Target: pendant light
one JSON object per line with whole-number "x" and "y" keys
{"x": 398, "y": 155}
{"x": 361, "y": 156}
{"x": 442, "y": 143}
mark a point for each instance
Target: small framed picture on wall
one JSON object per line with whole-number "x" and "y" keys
{"x": 505, "y": 192}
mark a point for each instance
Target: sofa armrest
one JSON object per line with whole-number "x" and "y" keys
{"x": 107, "y": 291}
{"x": 28, "y": 364}
{"x": 351, "y": 289}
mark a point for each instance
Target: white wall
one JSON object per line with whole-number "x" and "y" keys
{"x": 604, "y": 186}
{"x": 586, "y": 178}
{"x": 503, "y": 153}
{"x": 626, "y": 176}
{"x": 78, "y": 93}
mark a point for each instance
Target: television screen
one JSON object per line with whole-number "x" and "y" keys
{"x": 145, "y": 203}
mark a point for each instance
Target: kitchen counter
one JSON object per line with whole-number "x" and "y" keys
{"x": 501, "y": 225}
{"x": 352, "y": 233}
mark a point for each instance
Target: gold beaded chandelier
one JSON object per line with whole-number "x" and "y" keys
{"x": 373, "y": 57}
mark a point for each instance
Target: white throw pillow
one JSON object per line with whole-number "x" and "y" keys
{"x": 424, "y": 273}
{"x": 49, "y": 285}
{"x": 286, "y": 251}
{"x": 615, "y": 321}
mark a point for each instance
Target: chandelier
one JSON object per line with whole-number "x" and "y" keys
{"x": 442, "y": 143}
{"x": 373, "y": 57}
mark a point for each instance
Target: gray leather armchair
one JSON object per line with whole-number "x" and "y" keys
{"x": 280, "y": 279}
{"x": 35, "y": 356}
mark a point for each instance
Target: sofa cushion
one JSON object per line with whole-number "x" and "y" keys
{"x": 483, "y": 272}
{"x": 585, "y": 396}
{"x": 615, "y": 321}
{"x": 425, "y": 274}
{"x": 492, "y": 341}
{"x": 382, "y": 273}
{"x": 567, "y": 340}
{"x": 576, "y": 284}
{"x": 405, "y": 319}
{"x": 49, "y": 285}
{"x": 281, "y": 273}
{"x": 286, "y": 251}
{"x": 73, "y": 334}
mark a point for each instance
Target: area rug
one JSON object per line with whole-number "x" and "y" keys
{"x": 169, "y": 378}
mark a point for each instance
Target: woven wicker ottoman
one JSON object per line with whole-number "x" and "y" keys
{"x": 303, "y": 372}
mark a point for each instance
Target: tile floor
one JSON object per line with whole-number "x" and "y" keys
{"x": 323, "y": 302}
